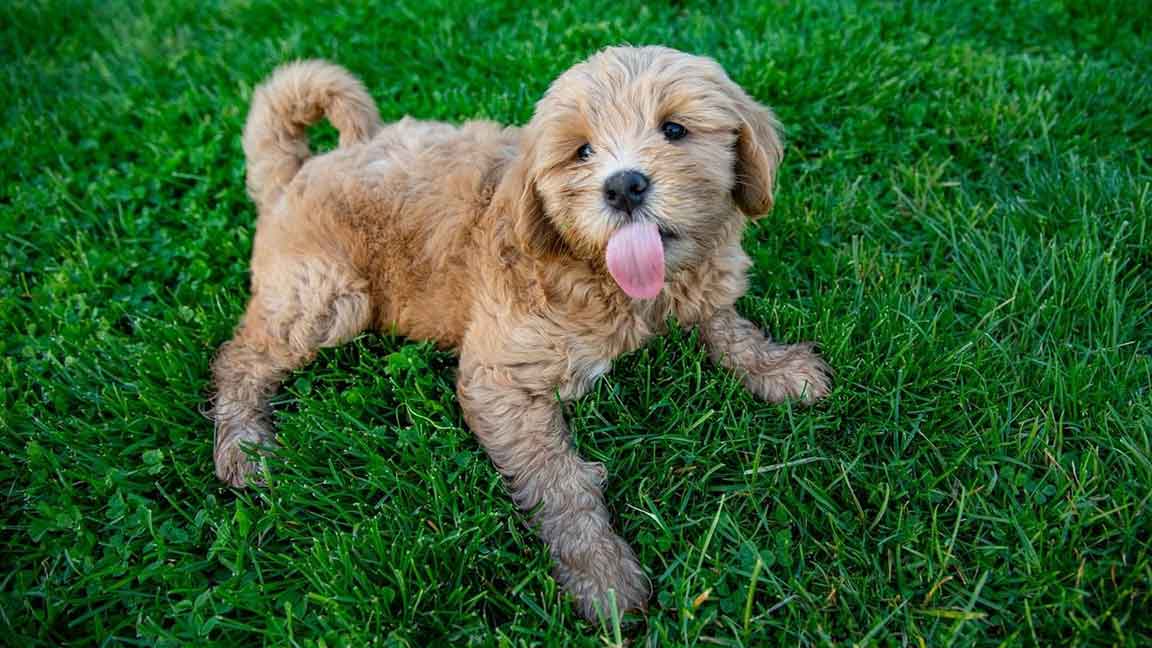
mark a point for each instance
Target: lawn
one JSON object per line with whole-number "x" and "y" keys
{"x": 964, "y": 223}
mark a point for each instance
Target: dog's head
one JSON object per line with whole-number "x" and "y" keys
{"x": 645, "y": 158}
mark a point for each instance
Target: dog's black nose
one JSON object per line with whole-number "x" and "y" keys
{"x": 625, "y": 190}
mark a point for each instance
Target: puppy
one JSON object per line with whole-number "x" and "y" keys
{"x": 539, "y": 254}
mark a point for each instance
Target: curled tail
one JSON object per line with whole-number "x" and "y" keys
{"x": 296, "y": 96}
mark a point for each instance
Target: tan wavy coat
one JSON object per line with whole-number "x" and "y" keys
{"x": 490, "y": 241}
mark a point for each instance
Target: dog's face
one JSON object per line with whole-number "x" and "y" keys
{"x": 643, "y": 135}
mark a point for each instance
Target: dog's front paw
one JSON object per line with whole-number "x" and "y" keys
{"x": 603, "y": 575}
{"x": 790, "y": 372}
{"x": 239, "y": 447}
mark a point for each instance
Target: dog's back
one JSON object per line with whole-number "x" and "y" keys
{"x": 411, "y": 206}
{"x": 401, "y": 203}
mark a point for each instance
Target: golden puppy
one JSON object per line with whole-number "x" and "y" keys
{"x": 539, "y": 254}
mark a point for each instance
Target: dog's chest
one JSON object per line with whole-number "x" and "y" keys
{"x": 585, "y": 367}
{"x": 587, "y": 358}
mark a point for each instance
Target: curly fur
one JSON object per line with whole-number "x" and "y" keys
{"x": 490, "y": 241}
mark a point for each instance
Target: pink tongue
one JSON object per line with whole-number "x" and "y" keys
{"x": 635, "y": 258}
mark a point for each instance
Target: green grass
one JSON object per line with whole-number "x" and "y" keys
{"x": 964, "y": 223}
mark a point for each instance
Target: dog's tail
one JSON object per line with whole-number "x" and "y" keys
{"x": 296, "y": 96}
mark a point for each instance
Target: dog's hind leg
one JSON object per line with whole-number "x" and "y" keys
{"x": 297, "y": 306}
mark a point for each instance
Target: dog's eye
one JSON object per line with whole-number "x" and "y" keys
{"x": 584, "y": 152}
{"x": 673, "y": 131}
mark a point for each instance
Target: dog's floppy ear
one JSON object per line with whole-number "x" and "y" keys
{"x": 759, "y": 149}
{"x": 516, "y": 199}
